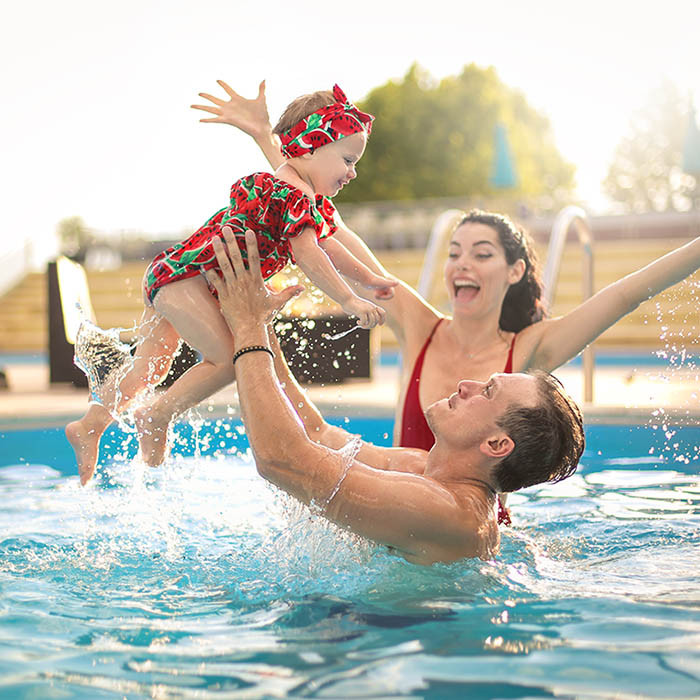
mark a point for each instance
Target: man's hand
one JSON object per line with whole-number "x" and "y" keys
{"x": 243, "y": 296}
{"x": 250, "y": 116}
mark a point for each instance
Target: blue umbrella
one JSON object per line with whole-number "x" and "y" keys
{"x": 503, "y": 170}
{"x": 691, "y": 147}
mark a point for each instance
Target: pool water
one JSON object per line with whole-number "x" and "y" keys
{"x": 199, "y": 580}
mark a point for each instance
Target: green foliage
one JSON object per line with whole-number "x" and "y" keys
{"x": 74, "y": 236}
{"x": 646, "y": 173}
{"x": 436, "y": 139}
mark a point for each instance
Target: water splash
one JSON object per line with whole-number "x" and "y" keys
{"x": 103, "y": 357}
{"x": 342, "y": 334}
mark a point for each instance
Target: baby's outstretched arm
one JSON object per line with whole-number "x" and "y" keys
{"x": 350, "y": 266}
{"x": 250, "y": 116}
{"x": 314, "y": 262}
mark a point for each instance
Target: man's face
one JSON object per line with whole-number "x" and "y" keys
{"x": 471, "y": 414}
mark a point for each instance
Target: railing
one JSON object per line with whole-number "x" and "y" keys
{"x": 567, "y": 217}
{"x": 445, "y": 223}
{"x": 443, "y": 226}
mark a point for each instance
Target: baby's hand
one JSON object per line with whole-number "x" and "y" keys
{"x": 250, "y": 116}
{"x": 368, "y": 314}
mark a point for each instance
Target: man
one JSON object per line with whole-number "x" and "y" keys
{"x": 512, "y": 431}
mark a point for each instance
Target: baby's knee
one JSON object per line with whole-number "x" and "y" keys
{"x": 222, "y": 356}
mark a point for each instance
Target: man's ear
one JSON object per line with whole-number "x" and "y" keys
{"x": 516, "y": 271}
{"x": 497, "y": 446}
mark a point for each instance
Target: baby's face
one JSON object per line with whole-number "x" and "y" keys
{"x": 331, "y": 167}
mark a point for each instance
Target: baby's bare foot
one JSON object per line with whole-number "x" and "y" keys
{"x": 153, "y": 436}
{"x": 85, "y": 441}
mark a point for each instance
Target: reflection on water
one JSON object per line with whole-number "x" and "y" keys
{"x": 199, "y": 580}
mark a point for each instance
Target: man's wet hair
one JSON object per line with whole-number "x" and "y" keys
{"x": 549, "y": 438}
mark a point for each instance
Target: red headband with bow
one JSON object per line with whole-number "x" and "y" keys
{"x": 325, "y": 126}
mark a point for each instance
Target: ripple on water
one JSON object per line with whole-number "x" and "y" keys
{"x": 199, "y": 576}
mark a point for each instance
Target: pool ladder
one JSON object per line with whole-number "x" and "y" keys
{"x": 568, "y": 217}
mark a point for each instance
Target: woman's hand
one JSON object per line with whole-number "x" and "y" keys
{"x": 243, "y": 296}
{"x": 250, "y": 116}
{"x": 383, "y": 286}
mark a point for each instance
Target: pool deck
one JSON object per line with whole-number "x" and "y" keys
{"x": 623, "y": 395}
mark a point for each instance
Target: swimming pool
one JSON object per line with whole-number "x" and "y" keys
{"x": 198, "y": 580}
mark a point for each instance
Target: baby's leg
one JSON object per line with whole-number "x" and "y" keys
{"x": 84, "y": 436}
{"x": 157, "y": 343}
{"x": 195, "y": 314}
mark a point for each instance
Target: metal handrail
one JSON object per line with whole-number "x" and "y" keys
{"x": 567, "y": 217}
{"x": 445, "y": 223}
{"x": 443, "y": 226}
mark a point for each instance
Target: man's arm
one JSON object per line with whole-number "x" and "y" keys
{"x": 412, "y": 513}
{"x": 333, "y": 436}
{"x": 415, "y": 515}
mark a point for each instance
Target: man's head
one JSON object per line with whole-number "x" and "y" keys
{"x": 524, "y": 425}
{"x": 548, "y": 438}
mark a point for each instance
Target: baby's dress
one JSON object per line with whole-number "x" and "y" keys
{"x": 275, "y": 210}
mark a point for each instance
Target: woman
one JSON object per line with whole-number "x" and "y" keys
{"x": 497, "y": 322}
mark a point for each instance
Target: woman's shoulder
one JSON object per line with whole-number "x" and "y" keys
{"x": 525, "y": 344}
{"x": 415, "y": 316}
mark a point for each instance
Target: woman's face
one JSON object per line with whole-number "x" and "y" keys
{"x": 476, "y": 272}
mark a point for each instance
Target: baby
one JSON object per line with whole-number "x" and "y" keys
{"x": 322, "y": 136}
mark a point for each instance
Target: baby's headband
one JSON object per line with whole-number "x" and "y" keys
{"x": 325, "y": 126}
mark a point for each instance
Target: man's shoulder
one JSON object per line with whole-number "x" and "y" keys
{"x": 411, "y": 460}
{"x": 474, "y": 523}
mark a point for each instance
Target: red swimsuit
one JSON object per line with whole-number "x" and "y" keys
{"x": 414, "y": 428}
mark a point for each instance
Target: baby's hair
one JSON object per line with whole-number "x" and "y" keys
{"x": 301, "y": 108}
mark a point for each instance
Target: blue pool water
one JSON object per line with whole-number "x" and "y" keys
{"x": 198, "y": 580}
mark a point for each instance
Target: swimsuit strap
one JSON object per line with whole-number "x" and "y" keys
{"x": 503, "y": 512}
{"x": 509, "y": 361}
{"x": 418, "y": 367}
{"x": 414, "y": 428}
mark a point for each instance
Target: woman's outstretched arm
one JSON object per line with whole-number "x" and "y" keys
{"x": 560, "y": 339}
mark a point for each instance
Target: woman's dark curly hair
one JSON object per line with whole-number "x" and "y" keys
{"x": 523, "y": 304}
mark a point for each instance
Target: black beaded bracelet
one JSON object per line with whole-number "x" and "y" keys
{"x": 252, "y": 348}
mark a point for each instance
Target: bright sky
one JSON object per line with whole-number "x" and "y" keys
{"x": 96, "y": 119}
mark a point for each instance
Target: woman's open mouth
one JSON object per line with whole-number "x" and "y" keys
{"x": 466, "y": 290}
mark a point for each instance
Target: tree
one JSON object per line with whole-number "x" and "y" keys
{"x": 74, "y": 236}
{"x": 646, "y": 173}
{"x": 436, "y": 139}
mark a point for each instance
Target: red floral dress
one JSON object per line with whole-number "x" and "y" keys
{"x": 275, "y": 210}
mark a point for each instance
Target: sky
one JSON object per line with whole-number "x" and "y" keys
{"x": 96, "y": 119}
